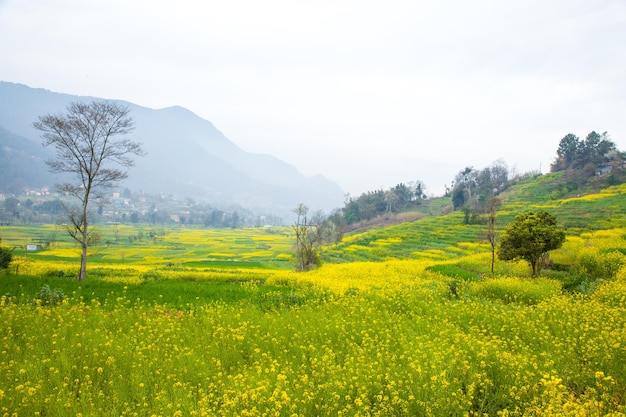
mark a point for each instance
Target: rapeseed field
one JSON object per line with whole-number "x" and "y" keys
{"x": 430, "y": 335}
{"x": 405, "y": 348}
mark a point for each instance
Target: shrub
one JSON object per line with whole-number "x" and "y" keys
{"x": 49, "y": 297}
{"x": 598, "y": 265}
{"x": 6, "y": 256}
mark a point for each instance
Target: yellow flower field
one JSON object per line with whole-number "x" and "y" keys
{"x": 350, "y": 339}
{"x": 400, "y": 345}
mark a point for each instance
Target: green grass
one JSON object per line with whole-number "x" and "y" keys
{"x": 177, "y": 294}
{"x": 455, "y": 271}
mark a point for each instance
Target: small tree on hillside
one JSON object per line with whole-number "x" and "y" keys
{"x": 90, "y": 144}
{"x": 493, "y": 205}
{"x": 308, "y": 233}
{"x": 530, "y": 237}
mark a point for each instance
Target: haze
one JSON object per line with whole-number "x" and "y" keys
{"x": 368, "y": 94}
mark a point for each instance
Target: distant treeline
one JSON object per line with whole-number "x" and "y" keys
{"x": 472, "y": 189}
{"x": 402, "y": 197}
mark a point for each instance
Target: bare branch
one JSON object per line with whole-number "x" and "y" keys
{"x": 90, "y": 143}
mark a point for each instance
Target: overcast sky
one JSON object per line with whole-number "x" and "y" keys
{"x": 366, "y": 93}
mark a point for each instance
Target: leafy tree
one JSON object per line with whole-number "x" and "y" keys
{"x": 351, "y": 211}
{"x": 235, "y": 220}
{"x": 392, "y": 200}
{"x": 420, "y": 189}
{"x": 12, "y": 205}
{"x": 365, "y": 207}
{"x": 6, "y": 256}
{"x": 530, "y": 237}
{"x": 52, "y": 207}
{"x": 375, "y": 203}
{"x": 91, "y": 145}
{"x": 474, "y": 188}
{"x": 566, "y": 153}
{"x": 404, "y": 195}
{"x": 458, "y": 197}
{"x": 333, "y": 227}
{"x": 576, "y": 154}
{"x": 588, "y": 152}
{"x": 466, "y": 180}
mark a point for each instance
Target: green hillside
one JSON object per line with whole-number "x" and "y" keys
{"x": 447, "y": 236}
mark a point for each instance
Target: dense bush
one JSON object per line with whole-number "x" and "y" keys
{"x": 599, "y": 265}
{"x": 49, "y": 297}
{"x": 6, "y": 255}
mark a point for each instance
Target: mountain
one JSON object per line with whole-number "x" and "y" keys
{"x": 21, "y": 163}
{"x": 186, "y": 156}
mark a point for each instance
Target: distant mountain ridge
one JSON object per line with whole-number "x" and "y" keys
{"x": 186, "y": 156}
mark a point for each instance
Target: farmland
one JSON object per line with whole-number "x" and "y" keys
{"x": 401, "y": 320}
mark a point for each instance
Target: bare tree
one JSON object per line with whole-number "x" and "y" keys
{"x": 91, "y": 145}
{"x": 494, "y": 203}
{"x": 308, "y": 233}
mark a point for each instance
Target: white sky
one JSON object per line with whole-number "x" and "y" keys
{"x": 366, "y": 93}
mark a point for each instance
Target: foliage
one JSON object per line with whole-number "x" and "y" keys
{"x": 473, "y": 188}
{"x": 530, "y": 237}
{"x": 370, "y": 204}
{"x": 591, "y": 258}
{"x": 596, "y": 149}
{"x": 49, "y": 297}
{"x": 89, "y": 142}
{"x": 6, "y": 255}
{"x": 599, "y": 265}
{"x": 612, "y": 292}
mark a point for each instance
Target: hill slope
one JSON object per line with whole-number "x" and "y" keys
{"x": 446, "y": 236}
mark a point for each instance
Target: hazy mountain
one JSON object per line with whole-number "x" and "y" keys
{"x": 21, "y": 163}
{"x": 186, "y": 156}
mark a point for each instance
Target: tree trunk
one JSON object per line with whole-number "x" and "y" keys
{"x": 533, "y": 265}
{"x": 83, "y": 255}
{"x": 83, "y": 263}
{"x": 83, "y": 258}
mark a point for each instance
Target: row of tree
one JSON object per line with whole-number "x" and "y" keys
{"x": 474, "y": 188}
{"x": 368, "y": 205}
{"x": 596, "y": 149}
{"x": 530, "y": 237}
